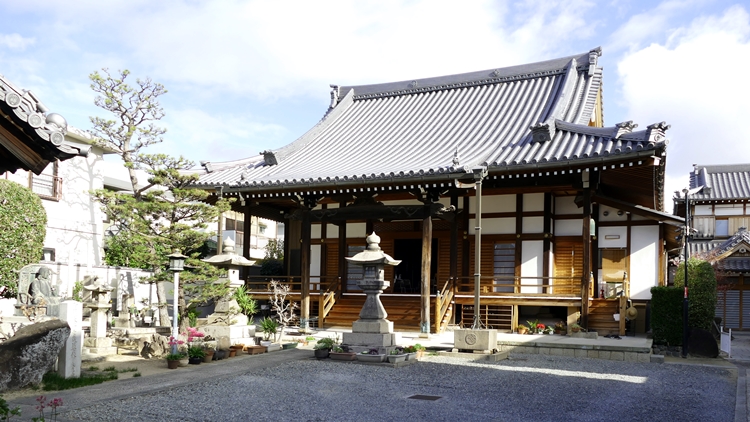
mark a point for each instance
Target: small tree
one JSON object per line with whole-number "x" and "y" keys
{"x": 24, "y": 225}
{"x": 702, "y": 292}
{"x": 273, "y": 262}
{"x": 284, "y": 309}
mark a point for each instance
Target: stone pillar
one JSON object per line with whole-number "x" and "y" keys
{"x": 69, "y": 358}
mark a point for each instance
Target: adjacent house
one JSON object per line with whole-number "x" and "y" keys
{"x": 61, "y": 164}
{"x": 567, "y": 212}
{"x": 719, "y": 215}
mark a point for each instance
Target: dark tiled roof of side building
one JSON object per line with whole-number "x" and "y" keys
{"x": 720, "y": 182}
{"x": 40, "y": 135}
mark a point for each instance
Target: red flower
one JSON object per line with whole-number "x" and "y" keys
{"x": 540, "y": 326}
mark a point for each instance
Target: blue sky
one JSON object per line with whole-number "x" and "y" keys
{"x": 245, "y": 76}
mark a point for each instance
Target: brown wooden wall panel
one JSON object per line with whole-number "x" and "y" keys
{"x": 568, "y": 263}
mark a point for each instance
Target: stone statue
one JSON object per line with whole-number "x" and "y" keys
{"x": 41, "y": 290}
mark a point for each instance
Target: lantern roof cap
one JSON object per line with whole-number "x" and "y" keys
{"x": 373, "y": 254}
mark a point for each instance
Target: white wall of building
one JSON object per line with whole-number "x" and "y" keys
{"x": 644, "y": 261}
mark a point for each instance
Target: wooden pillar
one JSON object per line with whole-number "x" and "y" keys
{"x": 342, "y": 253}
{"x": 453, "y": 269}
{"x": 547, "y": 242}
{"x": 585, "y": 276}
{"x": 595, "y": 254}
{"x": 305, "y": 272}
{"x": 426, "y": 267}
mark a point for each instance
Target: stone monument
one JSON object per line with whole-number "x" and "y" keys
{"x": 372, "y": 329}
{"x": 98, "y": 343}
{"x": 36, "y": 294}
{"x": 227, "y": 320}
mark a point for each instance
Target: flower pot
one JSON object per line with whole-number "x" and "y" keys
{"x": 221, "y": 354}
{"x": 232, "y": 353}
{"x": 173, "y": 364}
{"x": 265, "y": 343}
{"x": 342, "y": 355}
{"x": 370, "y": 357}
{"x": 411, "y": 356}
{"x": 255, "y": 350}
{"x": 289, "y": 345}
{"x": 322, "y": 353}
{"x": 195, "y": 360}
{"x": 209, "y": 356}
{"x": 184, "y": 361}
{"x": 396, "y": 358}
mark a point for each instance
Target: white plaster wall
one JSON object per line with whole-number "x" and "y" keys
{"x": 315, "y": 230}
{"x": 620, "y": 242}
{"x": 494, "y": 225}
{"x": 315, "y": 267}
{"x": 644, "y": 261}
{"x": 729, "y": 209}
{"x": 533, "y": 202}
{"x": 532, "y": 264}
{"x": 565, "y": 205}
{"x": 354, "y": 230}
{"x": 533, "y": 224}
{"x": 494, "y": 203}
{"x": 568, "y": 227}
{"x": 703, "y": 210}
{"x": 332, "y": 231}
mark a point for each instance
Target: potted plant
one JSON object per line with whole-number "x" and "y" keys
{"x": 397, "y": 355}
{"x": 323, "y": 347}
{"x": 209, "y": 348}
{"x": 173, "y": 360}
{"x": 195, "y": 355}
{"x": 560, "y": 328}
{"x": 420, "y": 350}
{"x": 522, "y": 329}
{"x": 269, "y": 327}
{"x": 342, "y": 353}
{"x": 371, "y": 355}
{"x": 575, "y": 328}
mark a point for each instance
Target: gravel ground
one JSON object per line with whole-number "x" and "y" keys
{"x": 522, "y": 388}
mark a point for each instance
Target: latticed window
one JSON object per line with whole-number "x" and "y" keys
{"x": 47, "y": 185}
{"x": 504, "y": 262}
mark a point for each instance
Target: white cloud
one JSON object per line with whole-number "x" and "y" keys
{"x": 697, "y": 82}
{"x": 15, "y": 41}
{"x": 196, "y": 133}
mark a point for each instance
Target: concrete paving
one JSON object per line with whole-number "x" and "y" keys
{"x": 156, "y": 377}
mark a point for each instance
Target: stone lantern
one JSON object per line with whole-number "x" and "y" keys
{"x": 372, "y": 329}
{"x": 98, "y": 342}
{"x": 225, "y": 321}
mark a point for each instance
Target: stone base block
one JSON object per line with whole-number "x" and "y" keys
{"x": 97, "y": 342}
{"x": 379, "y": 326}
{"x": 235, "y": 333}
{"x": 591, "y": 334}
{"x": 220, "y": 318}
{"x": 657, "y": 358}
{"x": 100, "y": 351}
{"x": 475, "y": 339}
{"x": 372, "y": 339}
{"x": 492, "y": 357}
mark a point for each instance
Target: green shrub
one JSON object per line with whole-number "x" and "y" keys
{"x": 701, "y": 292}
{"x": 666, "y": 315}
{"x": 24, "y": 225}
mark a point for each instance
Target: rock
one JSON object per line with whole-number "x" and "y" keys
{"x": 32, "y": 352}
{"x": 702, "y": 344}
{"x": 153, "y": 346}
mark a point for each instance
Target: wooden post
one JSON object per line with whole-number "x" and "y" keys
{"x": 585, "y": 277}
{"x": 426, "y": 268}
{"x": 305, "y": 272}
{"x": 342, "y": 254}
{"x": 453, "y": 271}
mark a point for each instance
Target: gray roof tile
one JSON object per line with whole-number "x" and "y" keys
{"x": 444, "y": 126}
{"x": 721, "y": 182}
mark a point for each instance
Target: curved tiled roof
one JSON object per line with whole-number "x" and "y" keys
{"x": 721, "y": 182}
{"x": 442, "y": 127}
{"x": 31, "y": 137}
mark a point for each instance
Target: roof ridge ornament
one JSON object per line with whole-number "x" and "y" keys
{"x": 543, "y": 132}
{"x": 656, "y": 131}
{"x": 334, "y": 95}
{"x": 270, "y": 157}
{"x": 593, "y": 59}
{"x": 624, "y": 127}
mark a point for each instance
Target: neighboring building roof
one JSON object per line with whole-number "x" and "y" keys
{"x": 29, "y": 137}
{"x": 720, "y": 182}
{"x": 514, "y": 119}
{"x": 731, "y": 255}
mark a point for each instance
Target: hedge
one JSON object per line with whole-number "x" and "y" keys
{"x": 666, "y": 315}
{"x": 23, "y": 223}
{"x": 701, "y": 292}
